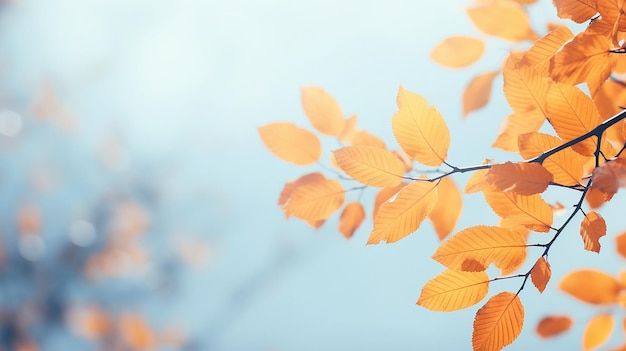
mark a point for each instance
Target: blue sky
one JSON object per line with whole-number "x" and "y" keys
{"x": 186, "y": 84}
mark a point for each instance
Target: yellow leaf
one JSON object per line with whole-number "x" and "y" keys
{"x": 475, "y": 248}
{"x": 453, "y": 290}
{"x": 514, "y": 126}
{"x": 598, "y": 331}
{"x": 584, "y": 59}
{"x": 592, "y": 228}
{"x": 458, "y": 51}
{"x": 291, "y": 186}
{"x": 553, "y": 325}
{"x": 370, "y": 165}
{"x": 578, "y": 11}
{"x": 291, "y": 143}
{"x": 504, "y": 19}
{"x": 540, "y": 274}
{"x": 539, "y": 55}
{"x": 477, "y": 182}
{"x": 364, "y": 138}
{"x": 351, "y": 218}
{"x": 446, "y": 212}
{"x": 404, "y": 214}
{"x": 566, "y": 165}
{"x": 529, "y": 211}
{"x": 519, "y": 178}
{"x": 478, "y": 91}
{"x": 315, "y": 200}
{"x": 498, "y": 323}
{"x": 572, "y": 113}
{"x": 322, "y": 110}
{"x": 385, "y": 194}
{"x": 605, "y": 287}
{"x": 525, "y": 90}
{"x": 420, "y": 129}
{"x": 349, "y": 129}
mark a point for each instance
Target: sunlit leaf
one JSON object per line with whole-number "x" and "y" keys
{"x": 420, "y": 129}
{"x": 315, "y": 200}
{"x": 498, "y": 323}
{"x": 504, "y": 19}
{"x": 515, "y": 125}
{"x": 475, "y": 248}
{"x": 370, "y": 165}
{"x": 291, "y": 143}
{"x": 525, "y": 90}
{"x": 477, "y": 182}
{"x": 540, "y": 274}
{"x": 578, "y": 11}
{"x": 454, "y": 290}
{"x": 530, "y": 211}
{"x": 446, "y": 212}
{"x": 458, "y": 51}
{"x": 349, "y": 129}
{"x": 553, "y": 325}
{"x": 404, "y": 214}
{"x": 598, "y": 331}
{"x": 605, "y": 287}
{"x": 322, "y": 110}
{"x": 521, "y": 178}
{"x": 291, "y": 186}
{"x": 539, "y": 55}
{"x": 592, "y": 228}
{"x": 364, "y": 138}
{"x": 476, "y": 94}
{"x": 351, "y": 218}
{"x": 596, "y": 198}
{"x": 385, "y": 194}
{"x": 610, "y": 176}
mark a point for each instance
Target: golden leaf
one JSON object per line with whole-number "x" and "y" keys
{"x": 351, "y": 218}
{"x": 446, "y": 212}
{"x": 323, "y": 111}
{"x": 458, "y": 51}
{"x": 498, "y": 323}
{"x": 598, "y": 331}
{"x": 540, "y": 274}
{"x": 291, "y": 143}
{"x": 454, "y": 290}
{"x": 530, "y": 211}
{"x": 476, "y": 94}
{"x": 315, "y": 200}
{"x": 605, "y": 287}
{"x": 520, "y": 178}
{"x": 370, "y": 165}
{"x": 504, "y": 19}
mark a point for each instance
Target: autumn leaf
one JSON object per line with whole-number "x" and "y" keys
{"x": 596, "y": 198}
{"x": 291, "y": 186}
{"x": 364, "y": 138}
{"x": 404, "y": 214}
{"x": 291, "y": 143}
{"x": 525, "y": 90}
{"x": 477, "y": 182}
{"x": 420, "y": 129}
{"x": 605, "y": 287}
{"x": 351, "y": 218}
{"x": 349, "y": 129}
{"x": 553, "y": 325}
{"x": 385, "y": 194}
{"x": 566, "y": 166}
{"x": 322, "y": 110}
{"x": 610, "y": 176}
{"x": 370, "y": 165}
{"x": 514, "y": 126}
{"x": 530, "y": 211}
{"x": 586, "y": 58}
{"x": 540, "y": 274}
{"x": 521, "y": 178}
{"x": 476, "y": 94}
{"x": 539, "y": 55}
{"x": 475, "y": 248}
{"x": 446, "y": 212}
{"x": 454, "y": 290}
{"x": 503, "y": 19}
{"x": 498, "y": 323}
{"x": 620, "y": 241}
{"x": 458, "y": 51}
{"x": 592, "y": 228}
{"x": 578, "y": 11}
{"x": 598, "y": 331}
{"x": 315, "y": 200}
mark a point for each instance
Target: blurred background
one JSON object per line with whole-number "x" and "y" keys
{"x": 138, "y": 204}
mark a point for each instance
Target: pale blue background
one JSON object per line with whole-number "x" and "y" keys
{"x": 186, "y": 83}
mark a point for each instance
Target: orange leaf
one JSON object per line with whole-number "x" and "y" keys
{"x": 420, "y": 129}
{"x": 598, "y": 331}
{"x": 384, "y": 195}
{"x": 364, "y": 138}
{"x": 592, "y": 228}
{"x": 458, "y": 51}
{"x": 515, "y": 125}
{"x": 566, "y": 165}
{"x": 453, "y": 290}
{"x": 498, "y": 323}
{"x": 520, "y": 178}
{"x": 477, "y": 182}
{"x": 529, "y": 211}
{"x": 584, "y": 59}
{"x": 578, "y": 11}
{"x": 596, "y": 198}
{"x": 349, "y": 129}
{"x": 370, "y": 165}
{"x": 478, "y": 91}
{"x": 475, "y": 248}
{"x": 291, "y": 186}
{"x": 351, "y": 218}
{"x": 291, "y": 143}
{"x": 504, "y": 19}
{"x": 540, "y": 274}
{"x": 572, "y": 113}
{"x": 610, "y": 176}
{"x": 315, "y": 200}
{"x": 553, "y": 325}
{"x": 605, "y": 287}
{"x": 322, "y": 110}
{"x": 404, "y": 214}
{"x": 448, "y": 208}
{"x": 539, "y": 55}
{"x": 525, "y": 89}
{"x": 620, "y": 241}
